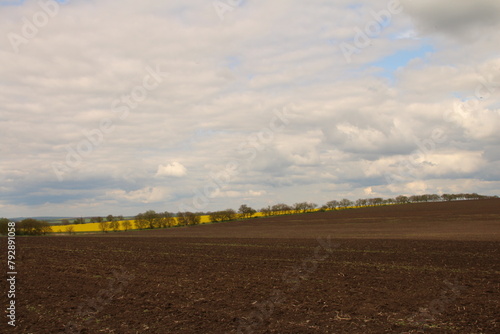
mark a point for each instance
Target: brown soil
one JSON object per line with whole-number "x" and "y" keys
{"x": 458, "y": 220}
{"x": 420, "y": 268}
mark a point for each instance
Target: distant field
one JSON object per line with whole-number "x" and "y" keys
{"x": 417, "y": 220}
{"x": 457, "y": 220}
{"x": 417, "y": 268}
{"x": 94, "y": 227}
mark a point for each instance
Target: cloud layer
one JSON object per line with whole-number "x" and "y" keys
{"x": 462, "y": 19}
{"x": 119, "y": 107}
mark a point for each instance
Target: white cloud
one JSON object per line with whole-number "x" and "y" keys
{"x": 144, "y": 195}
{"x": 173, "y": 169}
{"x": 238, "y": 194}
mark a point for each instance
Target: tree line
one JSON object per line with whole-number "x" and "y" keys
{"x": 28, "y": 226}
{"x": 152, "y": 219}
{"x": 229, "y": 214}
{"x": 305, "y": 207}
{"x": 401, "y": 199}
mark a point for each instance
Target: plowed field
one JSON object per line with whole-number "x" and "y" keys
{"x": 416, "y": 268}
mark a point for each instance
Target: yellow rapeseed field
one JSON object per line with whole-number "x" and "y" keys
{"x": 94, "y": 227}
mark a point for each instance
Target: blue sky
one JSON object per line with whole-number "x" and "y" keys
{"x": 401, "y": 58}
{"x": 11, "y": 2}
{"x": 119, "y": 107}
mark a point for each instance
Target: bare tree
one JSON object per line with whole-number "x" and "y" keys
{"x": 281, "y": 209}
{"x": 311, "y": 206}
{"x": 229, "y": 214}
{"x": 166, "y": 219}
{"x": 30, "y": 226}
{"x": 104, "y": 226}
{"x": 361, "y": 202}
{"x": 345, "y": 203}
{"x": 152, "y": 218}
{"x": 246, "y": 211}
{"x": 114, "y": 225}
{"x": 300, "y": 207}
{"x": 126, "y": 225}
{"x": 140, "y": 221}
{"x": 401, "y": 199}
{"x": 332, "y": 205}
{"x": 70, "y": 229}
{"x": 304, "y": 207}
{"x": 266, "y": 212}
{"x": 188, "y": 218}
{"x": 215, "y": 216}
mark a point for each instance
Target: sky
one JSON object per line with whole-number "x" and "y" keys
{"x": 118, "y": 107}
